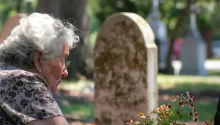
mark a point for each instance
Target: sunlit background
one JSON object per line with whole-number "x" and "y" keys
{"x": 76, "y": 94}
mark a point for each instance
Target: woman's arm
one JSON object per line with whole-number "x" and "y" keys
{"x": 58, "y": 120}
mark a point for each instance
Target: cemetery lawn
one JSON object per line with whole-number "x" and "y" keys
{"x": 195, "y": 84}
{"x": 206, "y": 110}
{"x": 204, "y": 88}
{"x": 79, "y": 111}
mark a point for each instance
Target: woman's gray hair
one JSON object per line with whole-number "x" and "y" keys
{"x": 37, "y": 32}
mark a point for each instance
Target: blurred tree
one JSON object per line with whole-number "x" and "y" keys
{"x": 207, "y": 22}
{"x": 181, "y": 24}
{"x": 173, "y": 12}
{"x": 75, "y": 12}
{"x": 102, "y": 9}
{"x": 10, "y": 8}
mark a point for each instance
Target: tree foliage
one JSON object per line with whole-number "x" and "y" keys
{"x": 102, "y": 9}
{"x": 171, "y": 13}
{"x": 10, "y": 8}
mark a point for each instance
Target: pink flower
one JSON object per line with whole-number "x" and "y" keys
{"x": 137, "y": 123}
{"x": 141, "y": 115}
{"x": 129, "y": 122}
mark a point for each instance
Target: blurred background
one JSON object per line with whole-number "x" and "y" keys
{"x": 75, "y": 95}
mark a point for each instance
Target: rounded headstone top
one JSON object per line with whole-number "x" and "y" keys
{"x": 10, "y": 24}
{"x": 138, "y": 20}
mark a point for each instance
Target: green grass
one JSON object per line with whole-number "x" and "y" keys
{"x": 194, "y": 84}
{"x": 206, "y": 110}
{"x": 79, "y": 111}
{"x": 173, "y": 83}
{"x": 214, "y": 73}
{"x": 85, "y": 109}
{"x": 74, "y": 85}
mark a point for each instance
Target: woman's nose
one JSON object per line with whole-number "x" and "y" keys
{"x": 64, "y": 73}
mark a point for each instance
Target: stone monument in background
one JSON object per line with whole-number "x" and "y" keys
{"x": 125, "y": 70}
{"x": 193, "y": 49}
{"x": 9, "y": 25}
{"x": 160, "y": 32}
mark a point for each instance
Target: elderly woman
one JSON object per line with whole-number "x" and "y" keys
{"x": 33, "y": 61}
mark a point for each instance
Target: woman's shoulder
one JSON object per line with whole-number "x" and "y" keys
{"x": 26, "y": 97}
{"x": 9, "y": 73}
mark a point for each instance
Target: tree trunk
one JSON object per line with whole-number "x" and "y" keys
{"x": 18, "y": 6}
{"x": 75, "y": 12}
{"x": 207, "y": 35}
{"x": 180, "y": 20}
{"x": 49, "y": 6}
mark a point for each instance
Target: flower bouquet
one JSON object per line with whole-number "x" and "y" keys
{"x": 182, "y": 107}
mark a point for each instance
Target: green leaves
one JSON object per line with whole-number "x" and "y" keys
{"x": 10, "y": 8}
{"x": 171, "y": 114}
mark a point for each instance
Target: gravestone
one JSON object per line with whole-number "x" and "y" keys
{"x": 9, "y": 25}
{"x": 125, "y": 70}
{"x": 193, "y": 49}
{"x": 160, "y": 32}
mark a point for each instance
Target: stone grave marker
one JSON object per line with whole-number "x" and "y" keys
{"x": 125, "y": 69}
{"x": 193, "y": 49}
{"x": 9, "y": 25}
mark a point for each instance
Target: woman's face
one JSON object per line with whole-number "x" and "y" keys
{"x": 54, "y": 69}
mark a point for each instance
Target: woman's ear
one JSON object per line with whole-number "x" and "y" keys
{"x": 37, "y": 57}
